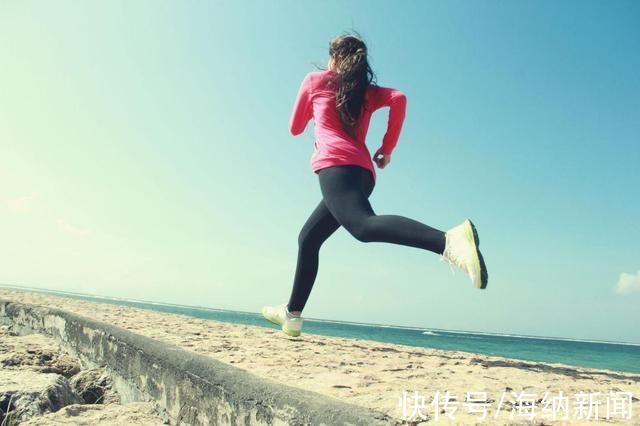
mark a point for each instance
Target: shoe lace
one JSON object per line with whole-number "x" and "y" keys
{"x": 450, "y": 267}
{"x": 443, "y": 259}
{"x": 451, "y": 256}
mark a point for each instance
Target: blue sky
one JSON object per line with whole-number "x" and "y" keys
{"x": 145, "y": 153}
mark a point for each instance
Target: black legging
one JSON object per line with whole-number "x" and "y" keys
{"x": 345, "y": 193}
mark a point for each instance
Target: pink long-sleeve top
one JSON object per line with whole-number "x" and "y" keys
{"x": 333, "y": 145}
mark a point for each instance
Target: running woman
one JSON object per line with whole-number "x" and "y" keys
{"x": 341, "y": 99}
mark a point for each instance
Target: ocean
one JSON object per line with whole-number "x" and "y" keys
{"x": 616, "y": 356}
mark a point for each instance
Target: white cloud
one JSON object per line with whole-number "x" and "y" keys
{"x": 71, "y": 229}
{"x": 628, "y": 283}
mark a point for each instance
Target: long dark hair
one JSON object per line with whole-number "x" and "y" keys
{"x": 353, "y": 75}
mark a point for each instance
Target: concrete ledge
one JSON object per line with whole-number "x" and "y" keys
{"x": 190, "y": 388}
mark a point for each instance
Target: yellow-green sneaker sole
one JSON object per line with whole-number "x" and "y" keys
{"x": 478, "y": 261}
{"x": 289, "y": 332}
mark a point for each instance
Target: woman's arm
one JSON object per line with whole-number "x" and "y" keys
{"x": 302, "y": 108}
{"x": 397, "y": 103}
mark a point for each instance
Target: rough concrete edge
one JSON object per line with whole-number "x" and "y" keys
{"x": 292, "y": 405}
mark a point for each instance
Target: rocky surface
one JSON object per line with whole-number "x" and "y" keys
{"x": 27, "y": 393}
{"x": 94, "y": 387}
{"x": 35, "y": 352}
{"x": 133, "y": 413}
{"x": 41, "y": 384}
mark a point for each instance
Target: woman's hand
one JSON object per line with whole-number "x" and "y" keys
{"x": 381, "y": 159}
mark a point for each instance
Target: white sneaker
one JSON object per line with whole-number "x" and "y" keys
{"x": 461, "y": 250}
{"x": 280, "y": 315}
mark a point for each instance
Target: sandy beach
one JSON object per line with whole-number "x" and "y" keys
{"x": 377, "y": 375}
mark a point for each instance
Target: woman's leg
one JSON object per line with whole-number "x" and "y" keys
{"x": 320, "y": 225}
{"x": 345, "y": 191}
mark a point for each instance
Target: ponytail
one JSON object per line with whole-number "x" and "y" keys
{"x": 353, "y": 76}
